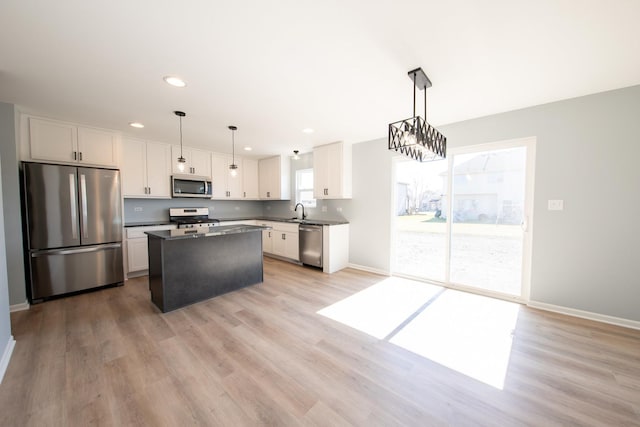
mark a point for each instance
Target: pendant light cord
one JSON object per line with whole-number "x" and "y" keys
{"x": 233, "y": 147}
{"x": 180, "y": 136}
{"x": 425, "y": 103}
{"x": 414, "y": 93}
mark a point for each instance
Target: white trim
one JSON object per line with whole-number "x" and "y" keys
{"x": 19, "y": 307}
{"x": 618, "y": 321}
{"x": 6, "y": 356}
{"x": 369, "y": 269}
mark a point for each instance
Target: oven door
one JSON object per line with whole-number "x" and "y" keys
{"x": 190, "y": 186}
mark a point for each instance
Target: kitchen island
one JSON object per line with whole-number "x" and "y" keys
{"x": 191, "y": 265}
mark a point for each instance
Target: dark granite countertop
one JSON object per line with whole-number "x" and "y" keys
{"x": 191, "y": 233}
{"x": 147, "y": 223}
{"x": 260, "y": 218}
{"x": 306, "y": 221}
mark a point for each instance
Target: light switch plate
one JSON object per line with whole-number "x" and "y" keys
{"x": 324, "y": 209}
{"x": 556, "y": 205}
{"x": 137, "y": 209}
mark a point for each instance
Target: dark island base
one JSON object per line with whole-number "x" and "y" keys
{"x": 186, "y": 271}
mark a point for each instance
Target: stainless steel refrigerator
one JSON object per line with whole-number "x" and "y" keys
{"x": 73, "y": 228}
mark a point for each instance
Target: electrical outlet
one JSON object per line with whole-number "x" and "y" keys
{"x": 339, "y": 209}
{"x": 237, "y": 208}
{"x": 324, "y": 209}
{"x": 268, "y": 207}
{"x": 137, "y": 209}
{"x": 556, "y": 205}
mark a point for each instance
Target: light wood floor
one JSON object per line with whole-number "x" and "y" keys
{"x": 262, "y": 356}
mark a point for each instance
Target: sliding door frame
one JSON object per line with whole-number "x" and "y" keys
{"x": 530, "y": 144}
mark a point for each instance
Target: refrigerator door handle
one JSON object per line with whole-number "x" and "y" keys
{"x": 73, "y": 205}
{"x": 83, "y": 198}
{"x": 75, "y": 251}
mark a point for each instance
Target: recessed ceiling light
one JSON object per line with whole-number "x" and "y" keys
{"x": 248, "y": 148}
{"x": 175, "y": 81}
{"x": 137, "y": 125}
{"x": 307, "y": 130}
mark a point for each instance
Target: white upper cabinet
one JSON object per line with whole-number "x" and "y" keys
{"x": 332, "y": 171}
{"x": 97, "y": 147}
{"x": 198, "y": 162}
{"x": 146, "y": 169}
{"x": 224, "y": 185}
{"x": 274, "y": 178}
{"x": 250, "y": 179}
{"x": 55, "y": 141}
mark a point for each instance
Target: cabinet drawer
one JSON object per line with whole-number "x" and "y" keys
{"x": 138, "y": 232}
{"x": 285, "y": 226}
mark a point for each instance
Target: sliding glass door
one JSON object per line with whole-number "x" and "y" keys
{"x": 464, "y": 221}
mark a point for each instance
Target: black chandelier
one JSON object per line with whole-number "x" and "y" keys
{"x": 414, "y": 137}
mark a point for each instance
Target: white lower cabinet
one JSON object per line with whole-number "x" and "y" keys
{"x": 285, "y": 243}
{"x": 267, "y": 236}
{"x": 137, "y": 254}
{"x": 137, "y": 249}
{"x": 281, "y": 240}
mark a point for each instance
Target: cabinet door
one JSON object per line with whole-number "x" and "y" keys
{"x": 285, "y": 244}
{"x": 51, "y": 140}
{"x": 265, "y": 172}
{"x": 334, "y": 169}
{"x": 267, "y": 241}
{"x": 250, "y": 179}
{"x": 134, "y": 163}
{"x": 291, "y": 245}
{"x": 279, "y": 242}
{"x": 137, "y": 255}
{"x": 200, "y": 162}
{"x": 219, "y": 175}
{"x": 97, "y": 147}
{"x": 320, "y": 172}
{"x": 158, "y": 164}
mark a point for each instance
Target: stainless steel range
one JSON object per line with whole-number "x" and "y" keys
{"x": 192, "y": 217}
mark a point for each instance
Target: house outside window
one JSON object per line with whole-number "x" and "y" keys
{"x": 304, "y": 188}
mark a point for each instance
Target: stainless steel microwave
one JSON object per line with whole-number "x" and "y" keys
{"x": 190, "y": 186}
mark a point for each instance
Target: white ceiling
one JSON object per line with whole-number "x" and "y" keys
{"x": 273, "y": 68}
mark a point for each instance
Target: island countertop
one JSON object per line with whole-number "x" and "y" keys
{"x": 191, "y": 233}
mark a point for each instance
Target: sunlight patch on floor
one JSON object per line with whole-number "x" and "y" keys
{"x": 382, "y": 307}
{"x": 469, "y": 333}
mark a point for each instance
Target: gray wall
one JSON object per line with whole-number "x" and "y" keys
{"x": 11, "y": 202}
{"x": 5, "y": 323}
{"x": 585, "y": 257}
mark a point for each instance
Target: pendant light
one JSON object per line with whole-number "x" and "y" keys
{"x": 414, "y": 137}
{"x": 181, "y": 160}
{"x": 295, "y": 155}
{"x": 233, "y": 168}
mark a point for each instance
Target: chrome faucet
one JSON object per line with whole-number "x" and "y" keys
{"x": 302, "y": 206}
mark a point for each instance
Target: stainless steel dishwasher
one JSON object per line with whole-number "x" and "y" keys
{"x": 311, "y": 244}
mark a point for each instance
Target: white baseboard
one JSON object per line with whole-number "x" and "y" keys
{"x": 6, "y": 356}
{"x": 19, "y": 307}
{"x": 369, "y": 269}
{"x": 633, "y": 324}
